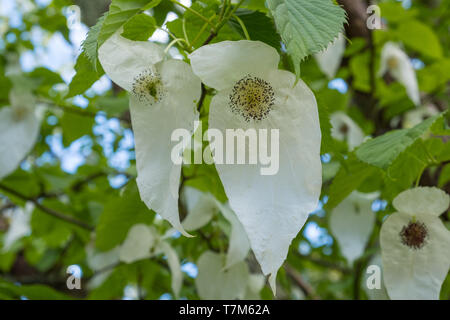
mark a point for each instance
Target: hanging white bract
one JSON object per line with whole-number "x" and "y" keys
{"x": 163, "y": 97}
{"x": 254, "y": 94}
{"x": 345, "y": 129}
{"x": 394, "y": 60}
{"x": 351, "y": 222}
{"x": 19, "y": 130}
{"x": 330, "y": 59}
{"x": 415, "y": 245}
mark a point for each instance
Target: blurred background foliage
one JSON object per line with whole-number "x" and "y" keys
{"x": 80, "y": 175}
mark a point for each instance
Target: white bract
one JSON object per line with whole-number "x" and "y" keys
{"x": 345, "y": 129}
{"x": 19, "y": 225}
{"x": 351, "y": 222}
{"x": 19, "y": 130}
{"x": 254, "y": 94}
{"x": 201, "y": 207}
{"x": 395, "y": 60}
{"x": 163, "y": 97}
{"x": 417, "y": 115}
{"x": 415, "y": 245}
{"x": 330, "y": 59}
{"x": 144, "y": 242}
{"x": 215, "y": 283}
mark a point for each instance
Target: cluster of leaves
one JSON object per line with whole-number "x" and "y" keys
{"x": 81, "y": 210}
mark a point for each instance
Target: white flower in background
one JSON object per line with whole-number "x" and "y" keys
{"x": 254, "y": 286}
{"x": 140, "y": 239}
{"x": 19, "y": 130}
{"x": 19, "y": 225}
{"x": 351, "y": 222}
{"x": 375, "y": 293}
{"x": 415, "y": 245}
{"x": 330, "y": 59}
{"x": 201, "y": 208}
{"x": 215, "y": 283}
{"x": 395, "y": 60}
{"x": 416, "y": 116}
{"x": 345, "y": 129}
{"x": 102, "y": 263}
{"x": 143, "y": 242}
{"x": 253, "y": 93}
{"x": 163, "y": 97}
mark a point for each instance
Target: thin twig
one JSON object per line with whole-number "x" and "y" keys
{"x": 302, "y": 284}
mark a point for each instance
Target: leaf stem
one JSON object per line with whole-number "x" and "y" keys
{"x": 241, "y": 23}
{"x": 193, "y": 12}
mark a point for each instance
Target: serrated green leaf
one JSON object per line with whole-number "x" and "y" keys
{"x": 90, "y": 45}
{"x": 120, "y": 11}
{"x": 383, "y": 150}
{"x": 139, "y": 28}
{"x": 306, "y": 26}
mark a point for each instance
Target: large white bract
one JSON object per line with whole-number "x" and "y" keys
{"x": 395, "y": 60}
{"x": 19, "y": 130}
{"x": 351, "y": 222}
{"x": 415, "y": 245}
{"x": 254, "y": 94}
{"x": 163, "y": 97}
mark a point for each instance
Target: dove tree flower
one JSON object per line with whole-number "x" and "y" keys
{"x": 215, "y": 283}
{"x": 254, "y": 94}
{"x": 345, "y": 129}
{"x": 19, "y": 130}
{"x": 395, "y": 60}
{"x": 415, "y": 245}
{"x": 417, "y": 115}
{"x": 201, "y": 208}
{"x": 163, "y": 97}
{"x": 142, "y": 242}
{"x": 19, "y": 225}
{"x": 351, "y": 222}
{"x": 330, "y": 58}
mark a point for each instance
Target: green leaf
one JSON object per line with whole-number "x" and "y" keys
{"x": 32, "y": 292}
{"x": 349, "y": 177}
{"x": 306, "y": 26}
{"x": 420, "y": 37}
{"x": 75, "y": 126}
{"x": 383, "y": 150}
{"x": 119, "y": 214}
{"x": 90, "y": 45}
{"x": 85, "y": 76}
{"x": 444, "y": 177}
{"x": 120, "y": 11}
{"x": 259, "y": 27}
{"x": 139, "y": 28}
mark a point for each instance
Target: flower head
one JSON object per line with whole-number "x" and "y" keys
{"x": 415, "y": 245}
{"x": 163, "y": 97}
{"x": 394, "y": 60}
{"x": 254, "y": 94}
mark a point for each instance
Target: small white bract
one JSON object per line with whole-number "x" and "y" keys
{"x": 330, "y": 59}
{"x": 163, "y": 97}
{"x": 417, "y": 115}
{"x": 415, "y": 245}
{"x": 254, "y": 94}
{"x": 345, "y": 129}
{"x": 394, "y": 60}
{"x": 19, "y": 225}
{"x": 351, "y": 222}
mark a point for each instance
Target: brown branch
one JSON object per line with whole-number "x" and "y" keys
{"x": 302, "y": 284}
{"x": 47, "y": 210}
